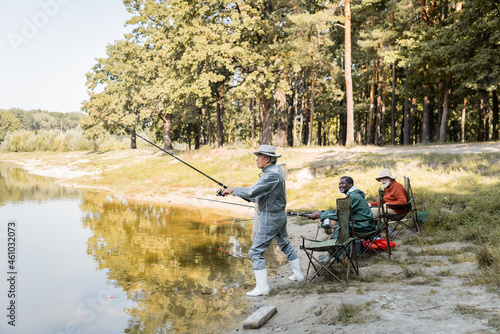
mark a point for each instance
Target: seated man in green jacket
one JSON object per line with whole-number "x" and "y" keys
{"x": 361, "y": 212}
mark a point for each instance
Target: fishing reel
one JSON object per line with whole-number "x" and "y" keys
{"x": 219, "y": 192}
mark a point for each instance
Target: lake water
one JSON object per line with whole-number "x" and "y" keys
{"x": 93, "y": 262}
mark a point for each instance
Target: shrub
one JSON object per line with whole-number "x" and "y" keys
{"x": 45, "y": 140}
{"x": 15, "y": 141}
{"x": 110, "y": 143}
{"x": 73, "y": 140}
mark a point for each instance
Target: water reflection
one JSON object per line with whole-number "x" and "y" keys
{"x": 173, "y": 269}
{"x": 183, "y": 267}
{"x": 16, "y": 185}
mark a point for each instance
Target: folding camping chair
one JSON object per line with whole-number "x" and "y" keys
{"x": 378, "y": 240}
{"x": 408, "y": 220}
{"x": 341, "y": 249}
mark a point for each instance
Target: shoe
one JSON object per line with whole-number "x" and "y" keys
{"x": 262, "y": 287}
{"x": 297, "y": 271}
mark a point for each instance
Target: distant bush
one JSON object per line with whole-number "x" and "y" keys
{"x": 110, "y": 143}
{"x": 71, "y": 140}
{"x": 45, "y": 140}
{"x": 15, "y": 141}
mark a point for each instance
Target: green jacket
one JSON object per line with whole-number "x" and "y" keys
{"x": 361, "y": 212}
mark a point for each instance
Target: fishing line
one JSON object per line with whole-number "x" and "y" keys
{"x": 213, "y": 200}
{"x": 219, "y": 193}
{"x": 301, "y": 214}
{"x": 233, "y": 221}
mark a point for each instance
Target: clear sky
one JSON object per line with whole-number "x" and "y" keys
{"x": 47, "y": 46}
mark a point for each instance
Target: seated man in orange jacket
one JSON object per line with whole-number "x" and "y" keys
{"x": 394, "y": 194}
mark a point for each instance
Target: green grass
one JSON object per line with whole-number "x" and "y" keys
{"x": 349, "y": 314}
{"x": 461, "y": 192}
{"x": 471, "y": 311}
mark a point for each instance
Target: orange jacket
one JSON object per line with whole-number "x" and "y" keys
{"x": 395, "y": 194}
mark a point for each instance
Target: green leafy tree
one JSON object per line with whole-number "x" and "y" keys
{"x": 8, "y": 123}
{"x": 115, "y": 84}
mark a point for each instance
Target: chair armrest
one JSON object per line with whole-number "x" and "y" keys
{"x": 398, "y": 206}
{"x": 307, "y": 238}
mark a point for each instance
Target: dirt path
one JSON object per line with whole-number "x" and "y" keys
{"x": 443, "y": 148}
{"x": 421, "y": 290}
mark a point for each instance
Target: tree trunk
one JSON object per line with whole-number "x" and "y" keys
{"x": 187, "y": 133}
{"x": 301, "y": 128}
{"x": 412, "y": 120}
{"x": 280, "y": 139}
{"x": 393, "y": 106}
{"x": 133, "y": 140}
{"x": 267, "y": 121}
{"x": 348, "y": 76}
{"x": 304, "y": 122}
{"x": 483, "y": 109}
{"x": 382, "y": 113}
{"x": 446, "y": 106}
{"x": 196, "y": 136}
{"x": 311, "y": 121}
{"x": 250, "y": 119}
{"x": 220, "y": 125}
{"x": 209, "y": 132}
{"x": 487, "y": 127}
{"x": 167, "y": 132}
{"x": 372, "y": 90}
{"x": 318, "y": 134}
{"x": 426, "y": 119}
{"x": 295, "y": 111}
{"x": 406, "y": 113}
{"x": 406, "y": 122}
{"x": 305, "y": 136}
{"x": 290, "y": 121}
{"x": 290, "y": 124}
{"x": 342, "y": 129}
{"x": 464, "y": 109}
{"x": 325, "y": 131}
{"x": 201, "y": 132}
{"x": 439, "y": 116}
{"x": 372, "y": 103}
{"x": 494, "y": 135}
{"x": 379, "y": 104}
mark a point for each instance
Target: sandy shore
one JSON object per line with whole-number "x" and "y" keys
{"x": 418, "y": 291}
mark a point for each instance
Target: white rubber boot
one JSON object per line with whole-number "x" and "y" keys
{"x": 297, "y": 271}
{"x": 262, "y": 287}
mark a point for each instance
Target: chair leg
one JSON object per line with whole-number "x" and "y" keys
{"x": 400, "y": 225}
{"x": 417, "y": 223}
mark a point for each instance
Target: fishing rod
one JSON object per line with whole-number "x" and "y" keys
{"x": 232, "y": 221}
{"x": 218, "y": 193}
{"x": 289, "y": 213}
{"x": 303, "y": 214}
{"x": 213, "y": 200}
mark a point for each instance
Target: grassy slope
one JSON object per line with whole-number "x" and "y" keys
{"x": 461, "y": 192}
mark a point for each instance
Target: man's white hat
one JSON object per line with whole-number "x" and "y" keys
{"x": 267, "y": 150}
{"x": 385, "y": 173}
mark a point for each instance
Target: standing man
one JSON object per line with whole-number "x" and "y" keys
{"x": 269, "y": 195}
{"x": 394, "y": 194}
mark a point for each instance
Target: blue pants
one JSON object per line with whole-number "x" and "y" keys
{"x": 268, "y": 230}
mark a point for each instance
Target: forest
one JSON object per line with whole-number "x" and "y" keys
{"x": 301, "y": 72}
{"x": 35, "y": 120}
